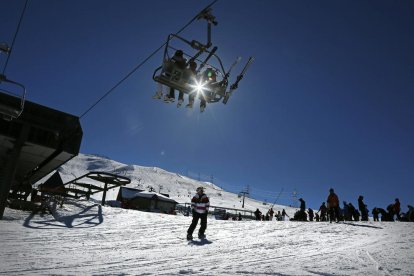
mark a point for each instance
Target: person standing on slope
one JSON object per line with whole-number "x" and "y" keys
{"x": 333, "y": 206}
{"x": 397, "y": 208}
{"x": 362, "y": 208}
{"x": 200, "y": 204}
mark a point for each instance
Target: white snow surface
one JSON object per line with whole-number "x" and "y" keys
{"x": 85, "y": 238}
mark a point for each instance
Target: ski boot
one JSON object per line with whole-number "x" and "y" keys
{"x": 157, "y": 95}
{"x": 189, "y": 237}
{"x": 201, "y": 236}
{"x": 168, "y": 99}
{"x": 180, "y": 102}
{"x": 190, "y": 104}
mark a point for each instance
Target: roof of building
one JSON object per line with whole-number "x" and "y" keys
{"x": 129, "y": 193}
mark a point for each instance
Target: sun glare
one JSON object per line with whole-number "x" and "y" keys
{"x": 198, "y": 87}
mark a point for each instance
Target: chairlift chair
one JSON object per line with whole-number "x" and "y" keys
{"x": 13, "y": 108}
{"x": 182, "y": 79}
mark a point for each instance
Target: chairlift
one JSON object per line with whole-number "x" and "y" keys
{"x": 182, "y": 78}
{"x": 12, "y": 107}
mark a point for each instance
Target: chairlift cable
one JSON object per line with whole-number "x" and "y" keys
{"x": 143, "y": 62}
{"x": 15, "y": 35}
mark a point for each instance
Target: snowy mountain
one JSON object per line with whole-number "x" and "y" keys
{"x": 178, "y": 187}
{"x": 85, "y": 238}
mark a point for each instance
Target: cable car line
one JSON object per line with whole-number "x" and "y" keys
{"x": 14, "y": 38}
{"x": 12, "y": 109}
{"x": 143, "y": 62}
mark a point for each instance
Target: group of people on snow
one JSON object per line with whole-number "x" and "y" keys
{"x": 330, "y": 211}
{"x": 279, "y": 216}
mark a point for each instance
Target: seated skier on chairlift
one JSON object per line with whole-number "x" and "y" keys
{"x": 180, "y": 61}
{"x": 193, "y": 79}
{"x": 174, "y": 74}
{"x": 209, "y": 78}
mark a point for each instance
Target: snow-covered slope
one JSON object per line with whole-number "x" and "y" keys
{"x": 179, "y": 187}
{"x": 84, "y": 238}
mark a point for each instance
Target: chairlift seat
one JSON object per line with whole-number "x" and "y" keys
{"x": 13, "y": 106}
{"x": 180, "y": 79}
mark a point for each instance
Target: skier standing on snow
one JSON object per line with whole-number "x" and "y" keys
{"x": 333, "y": 206}
{"x": 323, "y": 211}
{"x": 284, "y": 214}
{"x": 200, "y": 204}
{"x": 362, "y": 208}
{"x": 302, "y": 205}
{"x": 310, "y": 212}
{"x": 271, "y": 212}
{"x": 258, "y": 214}
{"x": 397, "y": 208}
{"x": 375, "y": 213}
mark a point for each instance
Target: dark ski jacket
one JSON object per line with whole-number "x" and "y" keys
{"x": 200, "y": 203}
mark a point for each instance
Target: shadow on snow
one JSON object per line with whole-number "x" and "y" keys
{"x": 200, "y": 242}
{"x": 362, "y": 225}
{"x": 87, "y": 217}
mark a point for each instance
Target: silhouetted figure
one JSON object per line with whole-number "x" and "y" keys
{"x": 310, "y": 212}
{"x": 284, "y": 214}
{"x": 410, "y": 213}
{"x": 354, "y": 212}
{"x": 375, "y": 214}
{"x": 301, "y": 214}
{"x": 385, "y": 216}
{"x": 258, "y": 214}
{"x": 333, "y": 206}
{"x": 317, "y": 217}
{"x": 362, "y": 208}
{"x": 278, "y": 216}
{"x": 397, "y": 208}
{"x": 346, "y": 213}
{"x": 180, "y": 61}
{"x": 302, "y": 205}
{"x": 191, "y": 96}
{"x": 271, "y": 212}
{"x": 324, "y": 210}
{"x": 390, "y": 210}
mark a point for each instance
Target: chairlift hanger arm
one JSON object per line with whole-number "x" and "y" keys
{"x": 234, "y": 86}
{"x": 231, "y": 67}
{"x": 205, "y": 60}
{"x": 5, "y": 48}
{"x": 211, "y": 19}
{"x": 170, "y": 37}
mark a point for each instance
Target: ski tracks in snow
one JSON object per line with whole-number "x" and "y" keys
{"x": 137, "y": 243}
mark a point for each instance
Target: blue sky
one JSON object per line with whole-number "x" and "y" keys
{"x": 328, "y": 101}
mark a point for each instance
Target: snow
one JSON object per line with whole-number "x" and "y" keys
{"x": 85, "y": 238}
